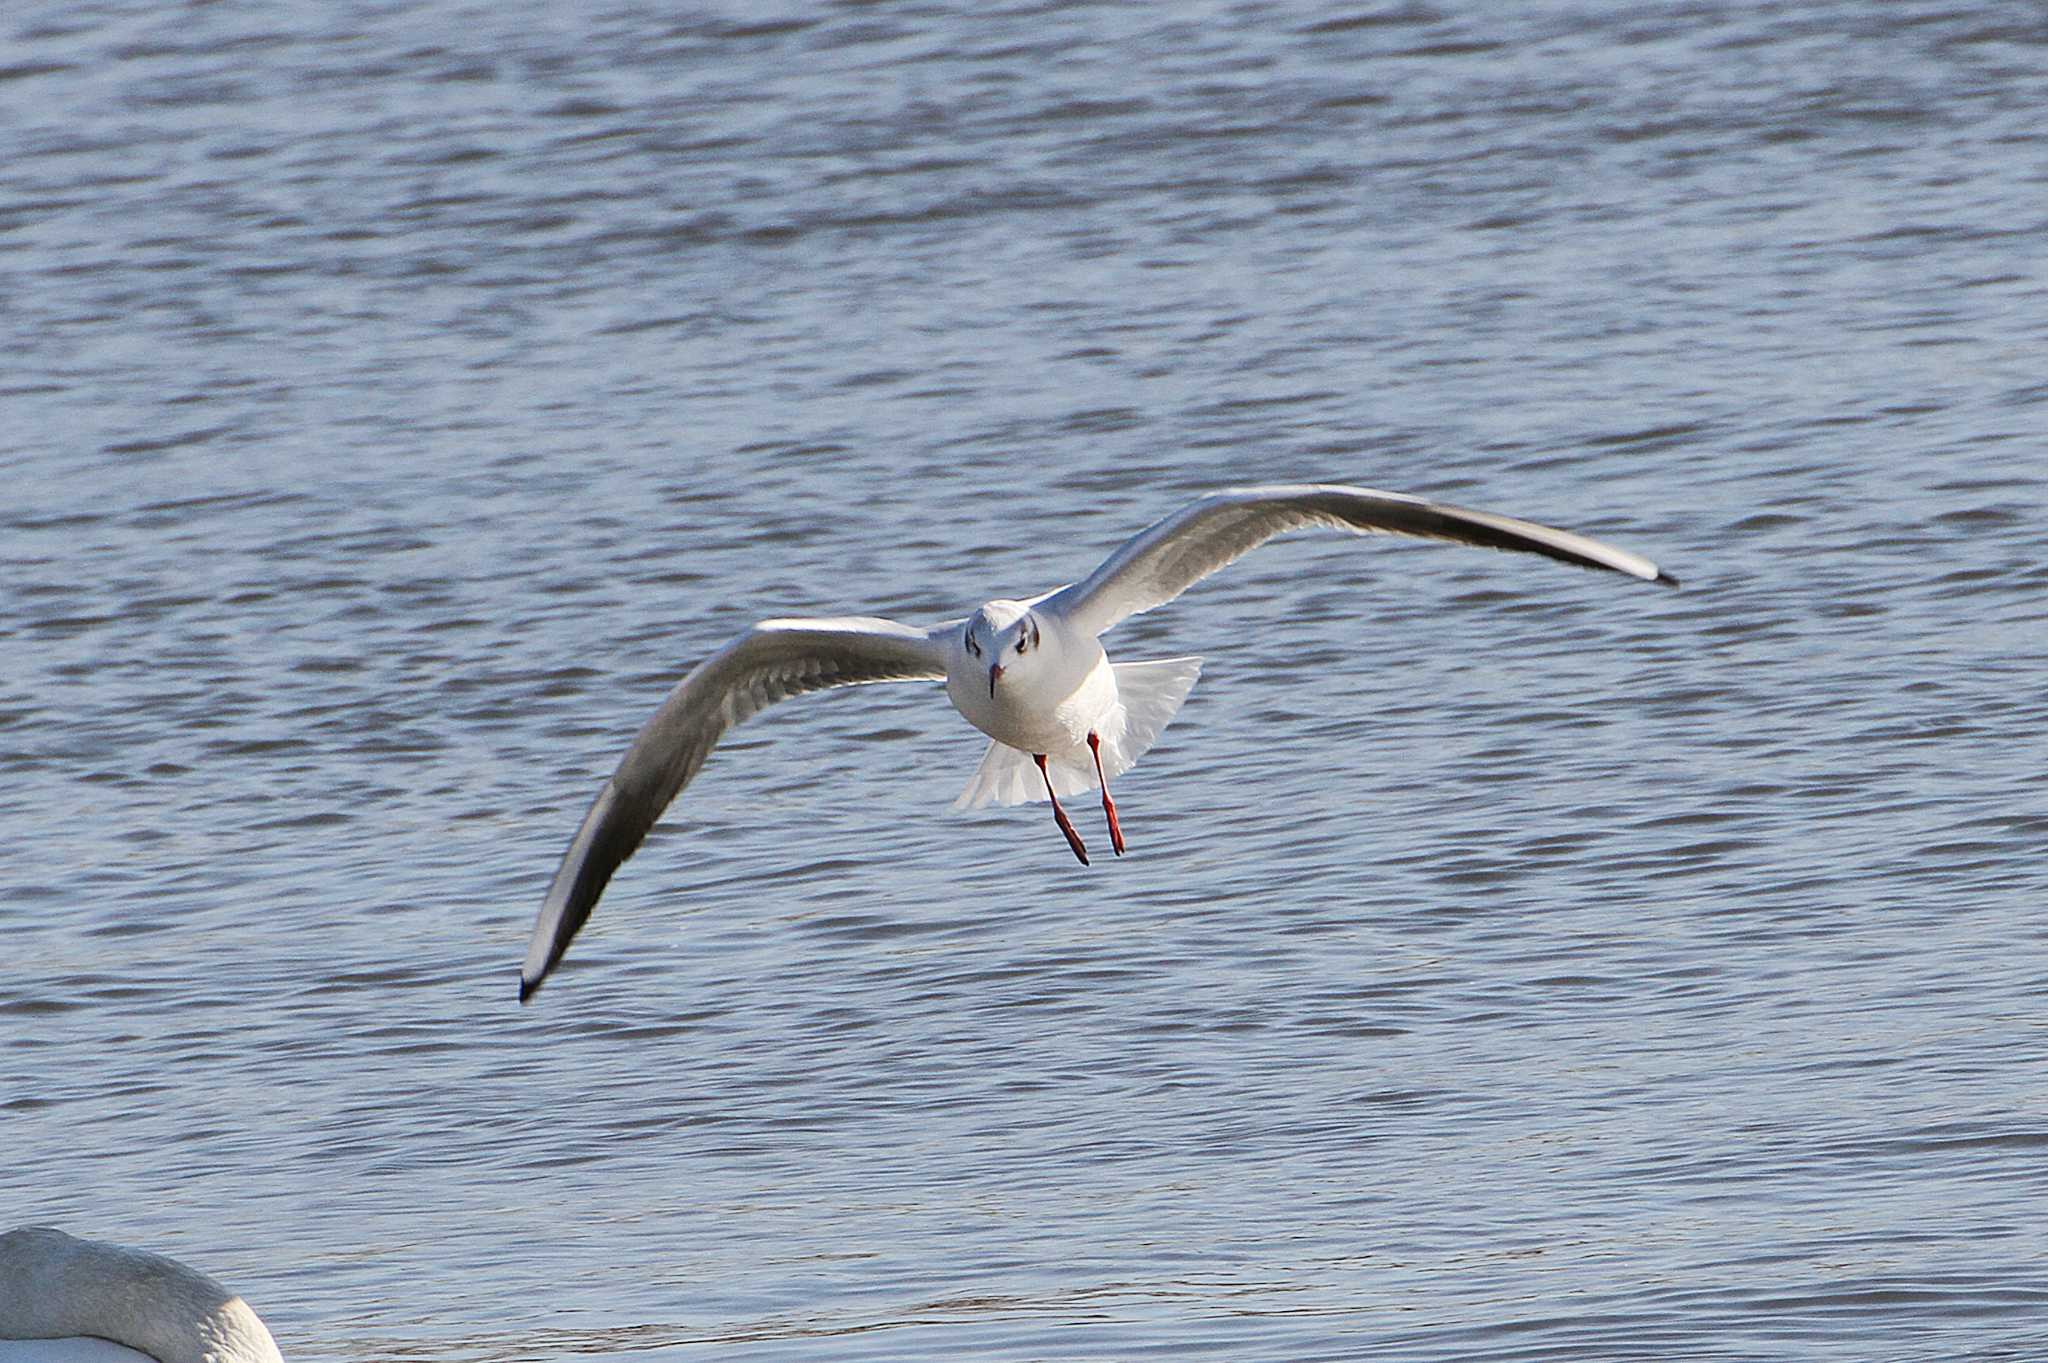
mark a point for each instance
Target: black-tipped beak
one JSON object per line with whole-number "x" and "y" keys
{"x": 994, "y": 670}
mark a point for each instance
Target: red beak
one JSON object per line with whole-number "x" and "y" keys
{"x": 994, "y": 670}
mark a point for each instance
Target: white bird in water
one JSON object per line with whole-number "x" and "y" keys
{"x": 65, "y": 1300}
{"x": 1061, "y": 718}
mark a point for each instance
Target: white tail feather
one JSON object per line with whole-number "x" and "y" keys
{"x": 1149, "y": 695}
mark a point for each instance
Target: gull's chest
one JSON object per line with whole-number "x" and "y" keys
{"x": 1037, "y": 714}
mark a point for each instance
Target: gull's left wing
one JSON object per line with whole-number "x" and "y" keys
{"x": 1159, "y": 563}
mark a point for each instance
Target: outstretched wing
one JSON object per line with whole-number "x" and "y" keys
{"x": 1158, "y": 564}
{"x": 773, "y": 661}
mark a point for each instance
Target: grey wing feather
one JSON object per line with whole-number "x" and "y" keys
{"x": 773, "y": 661}
{"x": 1159, "y": 563}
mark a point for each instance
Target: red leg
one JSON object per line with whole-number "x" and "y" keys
{"x": 1060, "y": 815}
{"x": 1116, "y": 830}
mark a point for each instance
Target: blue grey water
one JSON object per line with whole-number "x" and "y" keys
{"x": 1511, "y": 963}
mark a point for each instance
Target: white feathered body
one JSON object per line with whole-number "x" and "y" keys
{"x": 70, "y": 1299}
{"x": 1050, "y": 699}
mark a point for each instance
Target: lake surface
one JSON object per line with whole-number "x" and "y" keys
{"x": 1511, "y": 962}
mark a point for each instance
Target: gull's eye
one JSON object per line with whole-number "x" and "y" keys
{"x": 972, "y": 647}
{"x": 1021, "y": 641}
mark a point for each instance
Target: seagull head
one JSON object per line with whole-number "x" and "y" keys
{"x": 1001, "y": 636}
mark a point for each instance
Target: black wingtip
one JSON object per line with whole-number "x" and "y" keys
{"x": 1664, "y": 579}
{"x": 527, "y": 988}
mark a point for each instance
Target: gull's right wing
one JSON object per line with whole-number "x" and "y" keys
{"x": 773, "y": 661}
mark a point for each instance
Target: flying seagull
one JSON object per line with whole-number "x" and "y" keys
{"x": 1061, "y": 718}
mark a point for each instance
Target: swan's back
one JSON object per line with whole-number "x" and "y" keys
{"x": 63, "y": 1294}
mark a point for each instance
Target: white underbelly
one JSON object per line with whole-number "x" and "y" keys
{"x": 1029, "y": 724}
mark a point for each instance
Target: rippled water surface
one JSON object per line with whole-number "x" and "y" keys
{"x": 1511, "y": 963}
